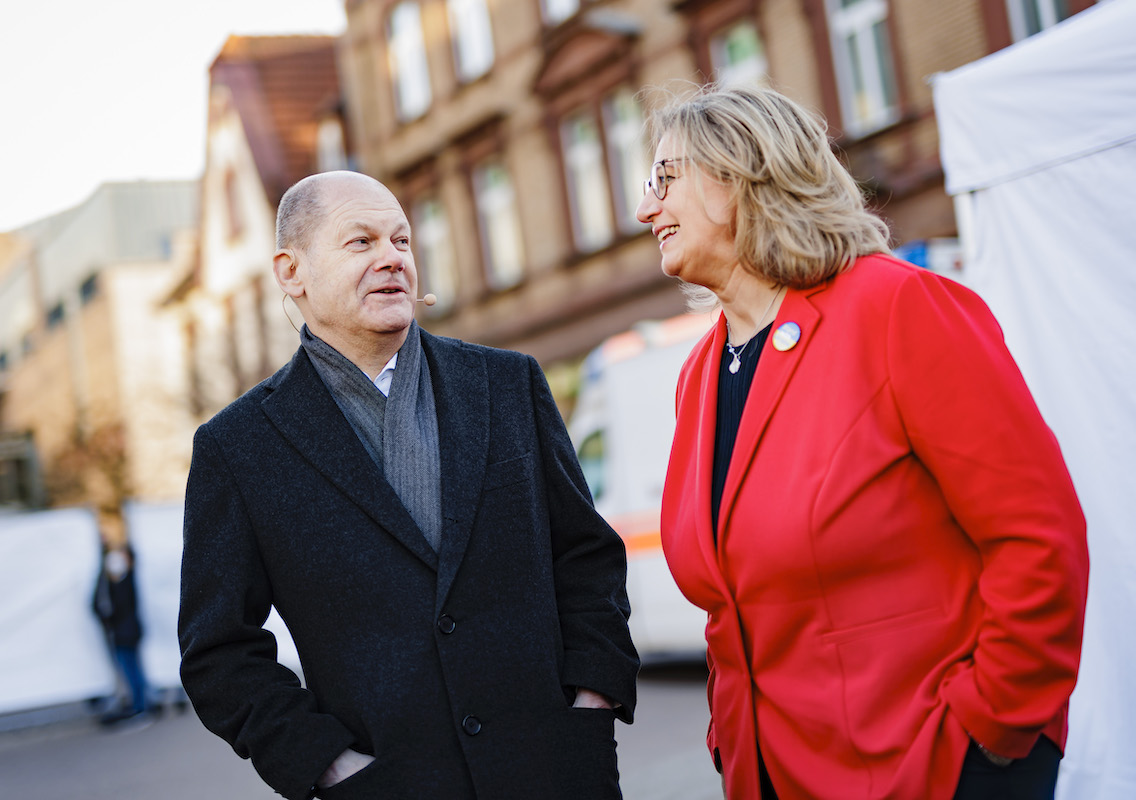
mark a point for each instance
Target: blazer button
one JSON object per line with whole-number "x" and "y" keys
{"x": 446, "y": 624}
{"x": 471, "y": 725}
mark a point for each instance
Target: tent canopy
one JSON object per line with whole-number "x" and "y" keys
{"x": 1039, "y": 147}
{"x": 1048, "y": 99}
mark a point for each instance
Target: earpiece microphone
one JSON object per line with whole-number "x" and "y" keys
{"x": 429, "y": 299}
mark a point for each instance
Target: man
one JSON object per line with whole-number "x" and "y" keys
{"x": 413, "y": 508}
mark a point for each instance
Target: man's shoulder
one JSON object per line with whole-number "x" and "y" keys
{"x": 464, "y": 349}
{"x": 247, "y": 409}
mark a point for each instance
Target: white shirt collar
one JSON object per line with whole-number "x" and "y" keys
{"x": 386, "y": 375}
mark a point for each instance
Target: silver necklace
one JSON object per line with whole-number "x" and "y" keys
{"x": 736, "y": 364}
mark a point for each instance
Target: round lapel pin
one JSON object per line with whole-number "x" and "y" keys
{"x": 786, "y": 336}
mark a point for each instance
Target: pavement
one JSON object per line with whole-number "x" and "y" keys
{"x": 64, "y": 754}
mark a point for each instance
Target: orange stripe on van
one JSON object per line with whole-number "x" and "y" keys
{"x": 639, "y": 531}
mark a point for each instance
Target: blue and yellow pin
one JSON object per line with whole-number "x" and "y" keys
{"x": 786, "y": 336}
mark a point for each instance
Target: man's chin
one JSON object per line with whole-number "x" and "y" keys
{"x": 392, "y": 320}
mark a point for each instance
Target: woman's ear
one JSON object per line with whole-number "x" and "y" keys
{"x": 285, "y": 267}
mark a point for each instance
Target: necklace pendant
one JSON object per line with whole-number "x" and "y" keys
{"x": 735, "y": 365}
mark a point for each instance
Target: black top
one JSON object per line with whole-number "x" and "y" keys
{"x": 733, "y": 388}
{"x": 116, "y": 605}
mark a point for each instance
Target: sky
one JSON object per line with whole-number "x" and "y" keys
{"x": 93, "y": 91}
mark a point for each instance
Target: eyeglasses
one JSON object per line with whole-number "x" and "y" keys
{"x": 660, "y": 181}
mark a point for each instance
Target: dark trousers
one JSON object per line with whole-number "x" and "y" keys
{"x": 131, "y": 667}
{"x": 767, "y": 790}
{"x": 1031, "y": 778}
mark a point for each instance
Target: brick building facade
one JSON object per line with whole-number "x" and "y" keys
{"x": 510, "y": 130}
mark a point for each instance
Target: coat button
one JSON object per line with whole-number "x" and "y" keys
{"x": 446, "y": 624}
{"x": 471, "y": 725}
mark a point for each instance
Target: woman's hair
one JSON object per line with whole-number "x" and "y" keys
{"x": 799, "y": 216}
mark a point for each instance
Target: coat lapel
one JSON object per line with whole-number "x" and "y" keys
{"x": 774, "y": 371}
{"x": 305, "y": 413}
{"x": 461, "y": 395}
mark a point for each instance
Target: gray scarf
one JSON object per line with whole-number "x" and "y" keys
{"x": 400, "y": 432}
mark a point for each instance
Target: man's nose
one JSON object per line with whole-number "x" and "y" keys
{"x": 390, "y": 257}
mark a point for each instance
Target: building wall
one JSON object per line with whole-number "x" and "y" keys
{"x": 569, "y": 300}
{"x": 151, "y": 377}
{"x": 41, "y": 395}
{"x": 236, "y": 332}
{"x": 104, "y": 392}
{"x": 93, "y": 381}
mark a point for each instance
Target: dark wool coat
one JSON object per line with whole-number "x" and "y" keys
{"x": 454, "y": 669}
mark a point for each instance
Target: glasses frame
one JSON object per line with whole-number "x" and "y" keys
{"x": 659, "y": 177}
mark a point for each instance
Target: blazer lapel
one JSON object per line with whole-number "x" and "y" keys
{"x": 303, "y": 410}
{"x": 706, "y": 418}
{"x": 774, "y": 371}
{"x": 461, "y": 395}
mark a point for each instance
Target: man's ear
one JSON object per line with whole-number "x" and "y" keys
{"x": 284, "y": 267}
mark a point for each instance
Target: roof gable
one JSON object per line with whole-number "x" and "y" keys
{"x": 280, "y": 87}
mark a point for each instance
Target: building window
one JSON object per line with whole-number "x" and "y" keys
{"x": 865, "y": 73}
{"x": 593, "y": 463}
{"x": 55, "y": 316}
{"x": 556, "y": 11}
{"x": 604, "y": 165}
{"x": 472, "y": 37}
{"x": 236, "y": 217}
{"x": 588, "y": 196}
{"x": 499, "y": 225}
{"x": 406, "y": 49}
{"x": 623, "y": 121}
{"x": 1028, "y": 17}
{"x": 88, "y": 289}
{"x": 331, "y": 153}
{"x": 737, "y": 55}
{"x": 435, "y": 257}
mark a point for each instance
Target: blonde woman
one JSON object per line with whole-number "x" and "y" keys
{"x": 862, "y": 493}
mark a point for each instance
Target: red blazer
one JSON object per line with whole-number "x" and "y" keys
{"x": 900, "y": 557}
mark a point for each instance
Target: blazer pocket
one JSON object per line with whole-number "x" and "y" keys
{"x": 508, "y": 472}
{"x": 882, "y": 626}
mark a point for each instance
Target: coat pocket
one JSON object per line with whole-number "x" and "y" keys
{"x": 508, "y": 472}
{"x": 366, "y": 784}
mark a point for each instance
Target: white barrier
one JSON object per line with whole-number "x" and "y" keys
{"x": 52, "y": 648}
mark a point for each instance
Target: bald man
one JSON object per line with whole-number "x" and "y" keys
{"x": 413, "y": 508}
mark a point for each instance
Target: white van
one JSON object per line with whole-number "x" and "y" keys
{"x": 622, "y": 428}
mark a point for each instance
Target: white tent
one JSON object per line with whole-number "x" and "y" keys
{"x": 1039, "y": 150}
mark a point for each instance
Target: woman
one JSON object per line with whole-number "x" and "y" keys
{"x": 861, "y": 491}
{"x": 116, "y": 605}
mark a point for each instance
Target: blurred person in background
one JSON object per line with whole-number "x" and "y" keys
{"x": 413, "y": 508}
{"x": 861, "y": 491}
{"x": 115, "y": 603}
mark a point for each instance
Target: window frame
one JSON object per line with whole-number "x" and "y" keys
{"x": 408, "y": 62}
{"x": 462, "y": 32}
{"x": 1047, "y": 13}
{"x": 720, "y": 33}
{"x": 623, "y": 180}
{"x": 593, "y": 177}
{"x": 861, "y": 21}
{"x": 498, "y": 277}
{"x": 551, "y": 19}
{"x": 619, "y": 188}
{"x": 424, "y": 243}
